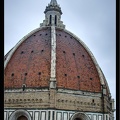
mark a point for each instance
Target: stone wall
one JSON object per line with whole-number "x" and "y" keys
{"x": 27, "y": 100}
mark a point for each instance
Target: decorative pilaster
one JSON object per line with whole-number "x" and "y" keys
{"x": 52, "y": 98}
{"x": 53, "y": 58}
{"x": 52, "y": 86}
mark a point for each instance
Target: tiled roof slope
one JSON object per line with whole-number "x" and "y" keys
{"x": 30, "y": 63}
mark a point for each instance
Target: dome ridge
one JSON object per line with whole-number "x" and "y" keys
{"x": 91, "y": 54}
{"x": 11, "y": 52}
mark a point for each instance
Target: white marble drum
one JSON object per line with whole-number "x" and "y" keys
{"x": 51, "y": 115}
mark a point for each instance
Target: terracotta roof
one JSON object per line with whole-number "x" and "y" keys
{"x": 30, "y": 63}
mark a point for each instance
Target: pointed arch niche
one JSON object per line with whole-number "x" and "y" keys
{"x": 20, "y": 115}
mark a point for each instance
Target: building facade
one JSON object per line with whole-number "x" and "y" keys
{"x": 51, "y": 74}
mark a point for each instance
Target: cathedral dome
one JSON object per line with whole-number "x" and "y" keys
{"x": 51, "y": 56}
{"x": 30, "y": 62}
{"x": 50, "y": 73}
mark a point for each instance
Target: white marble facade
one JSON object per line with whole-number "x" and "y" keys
{"x": 38, "y": 114}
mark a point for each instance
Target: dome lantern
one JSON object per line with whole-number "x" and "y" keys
{"x": 53, "y": 15}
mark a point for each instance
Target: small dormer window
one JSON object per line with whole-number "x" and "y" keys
{"x": 23, "y": 87}
{"x": 12, "y": 74}
{"x": 25, "y": 74}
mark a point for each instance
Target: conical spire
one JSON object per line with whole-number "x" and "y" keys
{"x": 53, "y": 2}
{"x": 53, "y": 6}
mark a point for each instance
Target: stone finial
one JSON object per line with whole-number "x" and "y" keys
{"x": 53, "y": 2}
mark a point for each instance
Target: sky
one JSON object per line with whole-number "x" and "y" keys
{"x": 93, "y": 21}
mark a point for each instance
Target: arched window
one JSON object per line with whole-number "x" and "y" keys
{"x": 20, "y": 115}
{"x": 50, "y": 21}
{"x": 79, "y": 116}
{"x": 55, "y": 19}
{"x": 22, "y": 118}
